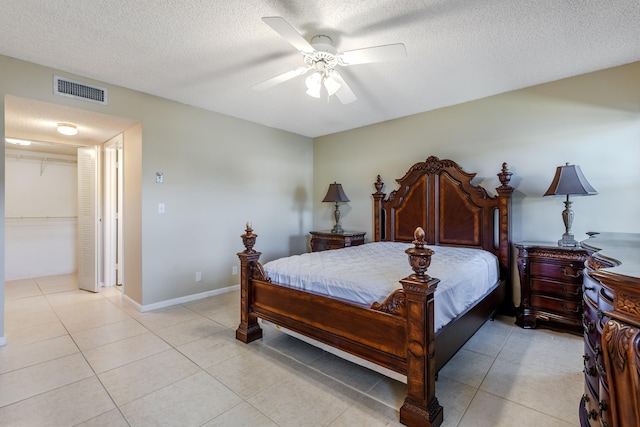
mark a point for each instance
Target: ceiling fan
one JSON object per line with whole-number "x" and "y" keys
{"x": 321, "y": 57}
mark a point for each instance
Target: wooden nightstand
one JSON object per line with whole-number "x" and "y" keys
{"x": 325, "y": 240}
{"x": 550, "y": 286}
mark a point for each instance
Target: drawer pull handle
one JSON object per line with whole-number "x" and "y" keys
{"x": 570, "y": 310}
{"x": 577, "y": 292}
{"x": 589, "y": 327}
{"x": 602, "y": 405}
{"x": 577, "y": 274}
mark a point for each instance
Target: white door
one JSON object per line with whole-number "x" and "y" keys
{"x": 112, "y": 223}
{"x": 88, "y": 217}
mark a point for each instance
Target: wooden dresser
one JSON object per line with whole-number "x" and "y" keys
{"x": 326, "y": 240}
{"x": 611, "y": 294}
{"x": 550, "y": 286}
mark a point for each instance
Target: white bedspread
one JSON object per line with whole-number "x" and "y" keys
{"x": 369, "y": 273}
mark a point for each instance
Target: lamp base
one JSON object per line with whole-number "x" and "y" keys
{"x": 337, "y": 229}
{"x": 567, "y": 240}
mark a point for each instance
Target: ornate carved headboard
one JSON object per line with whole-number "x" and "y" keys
{"x": 438, "y": 196}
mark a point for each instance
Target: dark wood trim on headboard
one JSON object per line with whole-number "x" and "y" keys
{"x": 438, "y": 196}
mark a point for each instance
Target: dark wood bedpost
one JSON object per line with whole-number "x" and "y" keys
{"x": 378, "y": 196}
{"x": 248, "y": 330}
{"x": 504, "y": 214}
{"x": 421, "y": 407}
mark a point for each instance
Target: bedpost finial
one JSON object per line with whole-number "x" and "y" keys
{"x": 378, "y": 184}
{"x": 419, "y": 256}
{"x": 418, "y": 236}
{"x": 249, "y": 238}
{"x": 505, "y": 176}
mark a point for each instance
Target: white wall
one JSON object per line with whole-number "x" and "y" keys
{"x": 41, "y": 210}
{"x": 591, "y": 120}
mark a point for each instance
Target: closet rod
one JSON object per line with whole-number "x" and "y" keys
{"x": 41, "y": 158}
{"x": 41, "y": 217}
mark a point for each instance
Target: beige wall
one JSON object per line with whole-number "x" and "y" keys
{"x": 591, "y": 120}
{"x": 219, "y": 173}
{"x": 132, "y": 213}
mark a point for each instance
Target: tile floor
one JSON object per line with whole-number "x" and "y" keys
{"x": 75, "y": 358}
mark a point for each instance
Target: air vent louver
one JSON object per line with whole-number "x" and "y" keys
{"x": 73, "y": 89}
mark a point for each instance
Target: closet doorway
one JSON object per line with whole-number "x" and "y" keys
{"x": 34, "y": 121}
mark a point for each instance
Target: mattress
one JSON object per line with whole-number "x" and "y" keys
{"x": 369, "y": 273}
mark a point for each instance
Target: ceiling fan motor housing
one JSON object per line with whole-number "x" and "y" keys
{"x": 324, "y": 52}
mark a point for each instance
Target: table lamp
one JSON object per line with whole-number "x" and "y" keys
{"x": 569, "y": 180}
{"x": 336, "y": 195}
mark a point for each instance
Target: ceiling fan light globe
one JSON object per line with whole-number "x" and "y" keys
{"x": 313, "y": 81}
{"x": 315, "y": 92}
{"x": 331, "y": 85}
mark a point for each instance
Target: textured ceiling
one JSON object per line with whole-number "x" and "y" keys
{"x": 209, "y": 53}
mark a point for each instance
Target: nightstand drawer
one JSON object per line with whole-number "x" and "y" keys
{"x": 569, "y": 291}
{"x": 569, "y": 272}
{"x": 557, "y": 306}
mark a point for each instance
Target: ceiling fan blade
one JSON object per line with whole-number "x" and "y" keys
{"x": 282, "y": 27}
{"x": 389, "y": 52}
{"x": 344, "y": 94}
{"x": 281, "y": 78}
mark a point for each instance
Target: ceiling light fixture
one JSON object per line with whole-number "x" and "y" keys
{"x": 67, "y": 129}
{"x": 17, "y": 141}
{"x": 321, "y": 77}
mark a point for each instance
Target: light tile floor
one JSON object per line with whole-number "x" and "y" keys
{"x": 78, "y": 358}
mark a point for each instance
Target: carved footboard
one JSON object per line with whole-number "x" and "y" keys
{"x": 397, "y": 334}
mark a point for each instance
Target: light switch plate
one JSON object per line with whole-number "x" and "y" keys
{"x": 159, "y": 177}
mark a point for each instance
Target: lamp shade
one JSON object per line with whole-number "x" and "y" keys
{"x": 569, "y": 180}
{"x": 335, "y": 194}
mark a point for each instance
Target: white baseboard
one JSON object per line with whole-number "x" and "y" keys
{"x": 181, "y": 300}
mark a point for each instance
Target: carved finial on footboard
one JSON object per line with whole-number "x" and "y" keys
{"x": 505, "y": 176}
{"x": 249, "y": 239}
{"x": 419, "y": 256}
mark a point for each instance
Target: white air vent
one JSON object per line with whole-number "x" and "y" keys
{"x": 73, "y": 89}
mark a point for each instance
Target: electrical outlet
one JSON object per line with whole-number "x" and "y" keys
{"x": 198, "y": 276}
{"x": 234, "y": 270}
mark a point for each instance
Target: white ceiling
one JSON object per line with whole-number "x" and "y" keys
{"x": 209, "y": 53}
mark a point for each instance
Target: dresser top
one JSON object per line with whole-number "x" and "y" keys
{"x": 623, "y": 249}
{"x": 547, "y": 245}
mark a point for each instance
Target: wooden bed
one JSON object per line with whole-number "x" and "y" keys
{"x": 398, "y": 334}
